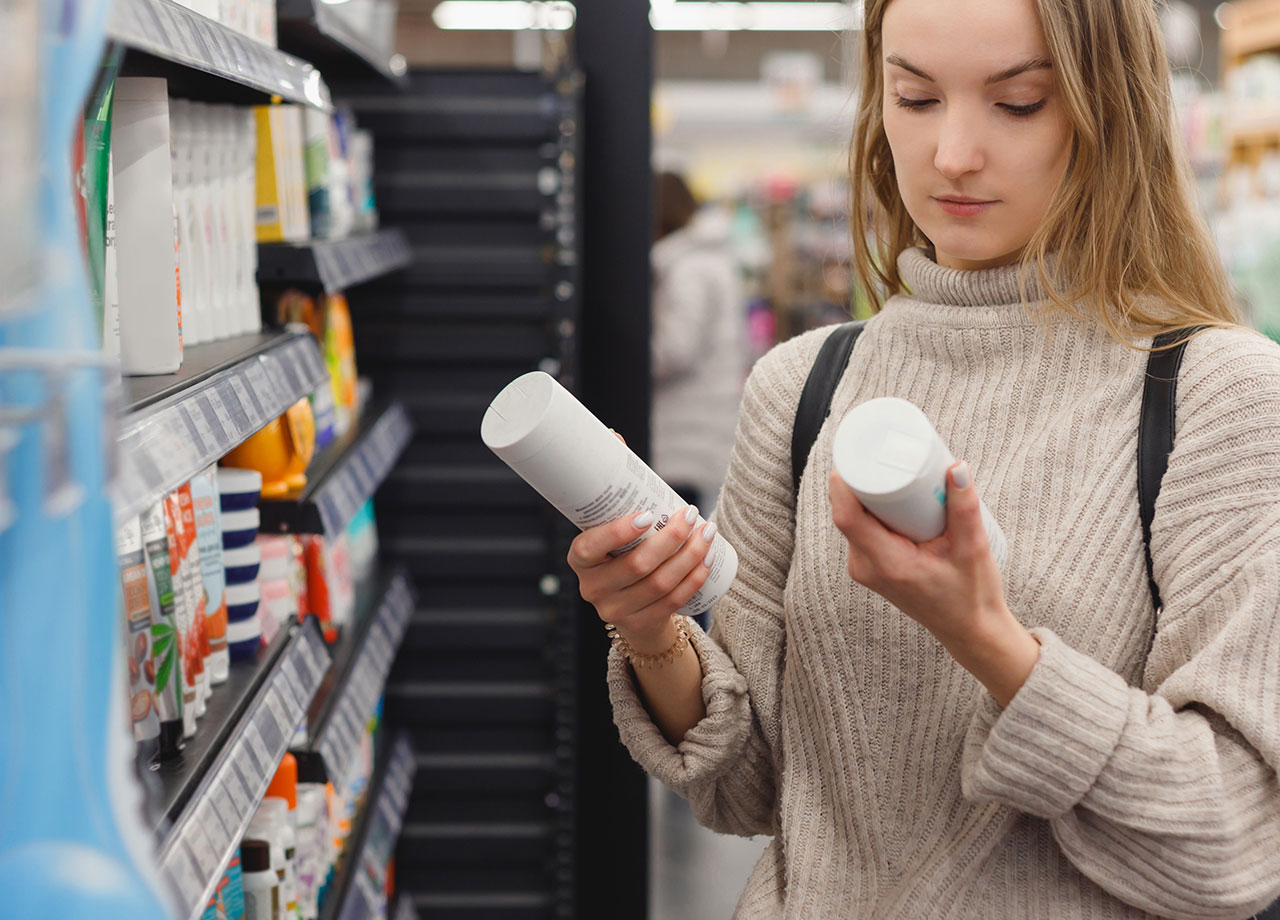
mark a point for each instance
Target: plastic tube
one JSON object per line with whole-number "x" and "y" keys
{"x": 554, "y": 443}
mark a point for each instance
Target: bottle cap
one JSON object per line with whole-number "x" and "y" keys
{"x": 255, "y": 855}
{"x": 284, "y": 785}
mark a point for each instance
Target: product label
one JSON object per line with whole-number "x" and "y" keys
{"x": 233, "y": 893}
{"x": 137, "y": 612}
{"x": 110, "y": 295}
{"x": 261, "y": 902}
{"x": 166, "y": 644}
{"x": 208, "y": 522}
{"x": 184, "y": 604}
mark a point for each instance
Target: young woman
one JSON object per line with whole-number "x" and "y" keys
{"x": 922, "y": 734}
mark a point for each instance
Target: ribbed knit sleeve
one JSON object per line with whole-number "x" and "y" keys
{"x": 1167, "y": 795}
{"x": 727, "y": 765}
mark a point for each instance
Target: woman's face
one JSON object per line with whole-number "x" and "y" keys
{"x": 980, "y": 138}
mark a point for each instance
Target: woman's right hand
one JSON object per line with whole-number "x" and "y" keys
{"x": 639, "y": 591}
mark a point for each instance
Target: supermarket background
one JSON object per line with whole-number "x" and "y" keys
{"x": 275, "y": 626}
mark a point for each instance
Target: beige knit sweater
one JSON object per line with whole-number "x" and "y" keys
{"x": 1115, "y": 784}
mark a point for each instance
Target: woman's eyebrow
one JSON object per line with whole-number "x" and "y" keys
{"x": 1019, "y": 69}
{"x": 1008, "y": 73}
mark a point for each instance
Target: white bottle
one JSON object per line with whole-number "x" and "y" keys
{"x": 213, "y": 273}
{"x": 276, "y": 812}
{"x": 150, "y": 322}
{"x": 540, "y": 430}
{"x": 261, "y": 884}
{"x": 891, "y": 456}
{"x": 247, "y": 165}
{"x": 311, "y": 821}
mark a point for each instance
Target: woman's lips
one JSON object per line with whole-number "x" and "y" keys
{"x": 959, "y": 207}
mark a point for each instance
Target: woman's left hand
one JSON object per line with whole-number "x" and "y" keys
{"x": 950, "y": 585}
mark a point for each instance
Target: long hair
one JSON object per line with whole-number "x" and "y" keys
{"x": 1122, "y": 240}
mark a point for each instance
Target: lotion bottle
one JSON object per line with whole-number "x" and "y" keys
{"x": 554, "y": 443}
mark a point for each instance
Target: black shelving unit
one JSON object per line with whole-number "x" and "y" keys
{"x": 357, "y": 892}
{"x": 346, "y": 475}
{"x": 206, "y": 800}
{"x": 362, "y": 659}
{"x": 333, "y": 265}
{"x": 480, "y": 169}
{"x": 203, "y": 59}
{"x": 175, "y": 425}
{"x": 314, "y": 31}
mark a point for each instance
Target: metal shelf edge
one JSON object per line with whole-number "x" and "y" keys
{"x": 164, "y": 444}
{"x": 174, "y": 33}
{"x": 198, "y": 846}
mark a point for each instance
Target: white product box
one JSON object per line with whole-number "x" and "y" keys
{"x": 146, "y": 260}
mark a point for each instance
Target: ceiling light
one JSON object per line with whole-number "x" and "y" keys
{"x": 504, "y": 15}
{"x": 760, "y": 16}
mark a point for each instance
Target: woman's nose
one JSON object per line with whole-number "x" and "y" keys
{"x": 959, "y": 148}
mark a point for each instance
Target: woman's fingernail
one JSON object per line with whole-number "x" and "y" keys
{"x": 709, "y": 558}
{"x": 960, "y": 474}
{"x": 709, "y": 532}
{"x": 691, "y": 516}
{"x": 642, "y": 521}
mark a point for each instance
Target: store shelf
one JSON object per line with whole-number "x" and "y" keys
{"x": 333, "y": 266}
{"x": 357, "y": 893}
{"x": 199, "y": 50}
{"x": 344, "y": 477}
{"x": 207, "y": 800}
{"x": 176, "y": 425}
{"x": 313, "y": 30}
{"x": 362, "y": 660}
{"x": 405, "y": 910}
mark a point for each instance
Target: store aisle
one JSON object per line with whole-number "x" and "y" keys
{"x": 696, "y": 874}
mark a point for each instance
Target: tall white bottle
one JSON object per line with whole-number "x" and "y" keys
{"x": 540, "y": 430}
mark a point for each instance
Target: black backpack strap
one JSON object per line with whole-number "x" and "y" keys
{"x": 1155, "y": 432}
{"x": 815, "y": 398}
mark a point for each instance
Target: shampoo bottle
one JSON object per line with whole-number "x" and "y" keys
{"x": 540, "y": 430}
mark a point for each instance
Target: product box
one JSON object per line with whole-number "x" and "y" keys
{"x": 146, "y": 253}
{"x": 281, "y": 200}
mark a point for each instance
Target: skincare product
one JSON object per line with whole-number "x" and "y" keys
{"x": 150, "y": 321}
{"x": 540, "y": 430}
{"x": 260, "y": 883}
{"x": 890, "y": 455}
{"x": 180, "y": 543}
{"x": 196, "y": 590}
{"x": 137, "y": 613}
{"x": 208, "y": 516}
{"x": 166, "y": 641}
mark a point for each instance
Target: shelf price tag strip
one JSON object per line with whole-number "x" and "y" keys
{"x": 160, "y": 448}
{"x": 349, "y": 488}
{"x": 345, "y": 263}
{"x": 198, "y": 847}
{"x": 341, "y": 733}
{"x": 174, "y": 33}
{"x": 365, "y": 896}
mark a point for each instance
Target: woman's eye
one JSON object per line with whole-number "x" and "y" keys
{"x": 906, "y": 103}
{"x": 1022, "y": 111}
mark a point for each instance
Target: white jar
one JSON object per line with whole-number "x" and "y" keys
{"x": 888, "y": 452}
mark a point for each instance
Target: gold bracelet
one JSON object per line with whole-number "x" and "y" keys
{"x": 652, "y": 661}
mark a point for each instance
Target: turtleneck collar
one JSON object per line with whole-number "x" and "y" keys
{"x": 955, "y": 297}
{"x": 988, "y": 287}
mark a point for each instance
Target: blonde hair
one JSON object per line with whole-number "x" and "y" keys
{"x": 1130, "y": 249}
